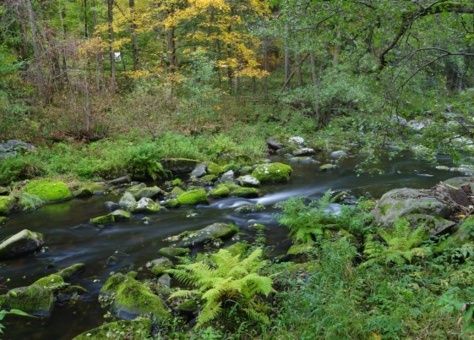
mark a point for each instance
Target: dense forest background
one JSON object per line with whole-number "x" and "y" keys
{"x": 355, "y": 70}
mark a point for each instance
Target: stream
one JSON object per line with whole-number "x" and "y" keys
{"x": 124, "y": 246}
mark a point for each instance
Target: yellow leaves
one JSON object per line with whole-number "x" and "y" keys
{"x": 91, "y": 46}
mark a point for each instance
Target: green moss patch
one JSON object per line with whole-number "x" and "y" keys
{"x": 137, "y": 329}
{"x": 6, "y": 204}
{"x": 272, "y": 172}
{"x": 192, "y": 197}
{"x": 48, "y": 190}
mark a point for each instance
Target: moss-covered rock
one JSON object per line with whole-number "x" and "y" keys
{"x": 205, "y": 180}
{"x": 204, "y": 235}
{"x": 132, "y": 298}
{"x": 52, "y": 282}
{"x": 249, "y": 208}
{"x": 147, "y": 205}
{"x": 215, "y": 169}
{"x": 192, "y": 197}
{"x": 137, "y": 329}
{"x": 173, "y": 252}
{"x": 128, "y": 202}
{"x": 177, "y": 182}
{"x": 49, "y": 190}
{"x": 272, "y": 172}
{"x": 222, "y": 190}
{"x": 34, "y": 300}
{"x": 71, "y": 271}
{"x": 121, "y": 215}
{"x": 176, "y": 191}
{"x": 245, "y": 192}
{"x": 171, "y": 203}
{"x": 179, "y": 165}
{"x": 141, "y": 190}
{"x": 23, "y": 242}
{"x": 3, "y": 220}
{"x": 159, "y": 266}
{"x": 6, "y": 204}
{"x": 328, "y": 167}
{"x": 103, "y": 219}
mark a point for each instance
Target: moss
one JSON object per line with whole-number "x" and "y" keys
{"x": 172, "y": 203}
{"x": 3, "y": 220}
{"x": 177, "y": 191}
{"x": 188, "y": 306}
{"x": 211, "y": 232}
{"x": 173, "y": 252}
{"x": 177, "y": 182}
{"x": 192, "y": 197}
{"x": 6, "y": 204}
{"x": 246, "y": 192}
{"x": 238, "y": 248}
{"x": 272, "y": 172}
{"x": 214, "y": 169}
{"x": 103, "y": 220}
{"x": 70, "y": 271}
{"x": 48, "y": 190}
{"x": 206, "y": 180}
{"x": 121, "y": 215}
{"x": 131, "y": 297}
{"x": 159, "y": 266}
{"x": 222, "y": 190}
{"x": 137, "y": 329}
{"x": 34, "y": 300}
{"x": 52, "y": 282}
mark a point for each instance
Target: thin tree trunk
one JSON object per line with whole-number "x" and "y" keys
{"x": 133, "y": 27}
{"x": 86, "y": 24}
{"x": 171, "y": 48}
{"x": 287, "y": 57}
{"x": 315, "y": 79}
{"x": 110, "y": 20}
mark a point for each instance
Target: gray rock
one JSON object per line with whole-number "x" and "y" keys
{"x": 303, "y": 152}
{"x": 204, "y": 235}
{"x": 249, "y": 208}
{"x": 147, "y": 205}
{"x": 248, "y": 181}
{"x": 199, "y": 171}
{"x": 273, "y": 144}
{"x": 160, "y": 265}
{"x": 442, "y": 167}
{"x": 227, "y": 176}
{"x": 179, "y": 165}
{"x": 141, "y": 190}
{"x": 417, "y": 125}
{"x": 459, "y": 182}
{"x": 418, "y": 206}
{"x": 339, "y": 154}
{"x": 128, "y": 202}
{"x": 165, "y": 280}
{"x": 298, "y": 140}
{"x": 23, "y": 242}
{"x": 111, "y": 206}
{"x": 302, "y": 160}
{"x": 327, "y": 167}
{"x": 120, "y": 180}
{"x": 13, "y": 147}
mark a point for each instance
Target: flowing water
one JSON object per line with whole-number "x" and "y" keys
{"x": 129, "y": 245}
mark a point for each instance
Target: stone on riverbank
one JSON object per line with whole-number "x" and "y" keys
{"x": 147, "y": 205}
{"x": 140, "y": 191}
{"x": 173, "y": 252}
{"x": 130, "y": 298}
{"x": 23, "y": 242}
{"x": 49, "y": 190}
{"x": 248, "y": 181}
{"x": 128, "y": 202}
{"x": 159, "y": 266}
{"x": 272, "y": 172}
{"x": 204, "y": 235}
{"x": 192, "y": 197}
{"x": 179, "y": 166}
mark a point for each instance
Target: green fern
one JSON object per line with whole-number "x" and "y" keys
{"x": 398, "y": 245}
{"x": 225, "y": 279}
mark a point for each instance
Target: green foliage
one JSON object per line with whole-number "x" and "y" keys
{"x": 225, "y": 281}
{"x": 48, "y": 190}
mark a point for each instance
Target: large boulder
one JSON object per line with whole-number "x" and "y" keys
{"x": 49, "y": 190}
{"x": 13, "y": 147}
{"x": 179, "y": 166}
{"x": 130, "y": 298}
{"x": 141, "y": 190}
{"x": 128, "y": 202}
{"x": 272, "y": 172}
{"x": 23, "y": 242}
{"x": 192, "y": 197}
{"x": 458, "y": 182}
{"x": 147, "y": 205}
{"x": 434, "y": 208}
{"x": 137, "y": 329}
{"x": 211, "y": 232}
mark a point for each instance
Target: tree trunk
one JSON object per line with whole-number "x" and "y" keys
{"x": 133, "y": 27}
{"x": 110, "y": 20}
{"x": 315, "y": 79}
{"x": 171, "y": 49}
{"x": 287, "y": 57}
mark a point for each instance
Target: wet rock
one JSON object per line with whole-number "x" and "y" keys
{"x": 141, "y": 190}
{"x": 215, "y": 169}
{"x": 34, "y": 300}
{"x": 6, "y": 204}
{"x": 72, "y": 271}
{"x": 327, "y": 167}
{"x": 248, "y": 181}
{"x": 3, "y": 220}
{"x": 228, "y": 176}
{"x": 297, "y": 140}
{"x": 23, "y": 242}
{"x": 302, "y": 160}
{"x": 48, "y": 190}
{"x": 173, "y": 252}
{"x": 459, "y": 182}
{"x": 137, "y": 329}
{"x": 199, "y": 171}
{"x": 339, "y": 154}
{"x": 159, "y": 266}
{"x": 250, "y": 208}
{"x": 179, "y": 166}
{"x": 130, "y": 298}
{"x": 303, "y": 152}
{"x": 165, "y": 280}
{"x": 205, "y": 180}
{"x": 204, "y": 235}
{"x": 245, "y": 192}
{"x": 120, "y": 180}
{"x": 128, "y": 202}
{"x": 103, "y": 220}
{"x": 273, "y": 144}
{"x": 191, "y": 197}
{"x": 111, "y": 206}
{"x": 120, "y": 215}
{"x": 272, "y": 172}
{"x": 83, "y": 192}
{"x": 222, "y": 190}
{"x": 147, "y": 205}
{"x": 442, "y": 167}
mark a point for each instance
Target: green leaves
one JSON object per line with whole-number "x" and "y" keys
{"x": 225, "y": 279}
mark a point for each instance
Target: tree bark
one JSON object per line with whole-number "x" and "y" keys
{"x": 133, "y": 27}
{"x": 110, "y": 20}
